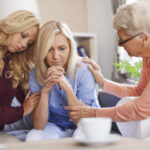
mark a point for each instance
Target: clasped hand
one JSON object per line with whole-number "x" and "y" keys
{"x": 55, "y": 75}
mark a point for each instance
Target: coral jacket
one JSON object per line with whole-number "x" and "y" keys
{"x": 136, "y": 109}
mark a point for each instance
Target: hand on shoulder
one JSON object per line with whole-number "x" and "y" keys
{"x": 95, "y": 69}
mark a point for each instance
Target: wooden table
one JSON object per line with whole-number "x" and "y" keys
{"x": 70, "y": 144}
{"x": 6, "y": 138}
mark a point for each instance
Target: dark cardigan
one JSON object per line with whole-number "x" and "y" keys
{"x": 9, "y": 114}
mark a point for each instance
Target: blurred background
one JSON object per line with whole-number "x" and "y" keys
{"x": 91, "y": 24}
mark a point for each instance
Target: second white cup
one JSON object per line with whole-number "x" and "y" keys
{"x": 95, "y": 129}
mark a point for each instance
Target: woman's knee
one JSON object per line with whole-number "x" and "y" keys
{"x": 35, "y": 135}
{"x": 107, "y": 99}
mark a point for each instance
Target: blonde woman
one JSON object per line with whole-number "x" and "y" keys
{"x": 18, "y": 33}
{"x": 62, "y": 78}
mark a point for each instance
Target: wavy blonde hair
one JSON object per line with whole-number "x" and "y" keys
{"x": 20, "y": 63}
{"x": 134, "y": 18}
{"x": 44, "y": 42}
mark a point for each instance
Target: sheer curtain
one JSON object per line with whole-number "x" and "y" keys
{"x": 117, "y": 3}
{"x": 120, "y": 51}
{"x": 9, "y": 6}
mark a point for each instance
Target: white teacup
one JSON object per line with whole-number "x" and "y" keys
{"x": 95, "y": 129}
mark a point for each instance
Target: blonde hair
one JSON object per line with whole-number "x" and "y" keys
{"x": 133, "y": 18}
{"x": 20, "y": 63}
{"x": 44, "y": 42}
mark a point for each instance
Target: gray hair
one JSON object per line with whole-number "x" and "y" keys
{"x": 133, "y": 18}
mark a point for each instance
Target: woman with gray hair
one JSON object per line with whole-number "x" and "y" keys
{"x": 132, "y": 23}
{"x": 62, "y": 78}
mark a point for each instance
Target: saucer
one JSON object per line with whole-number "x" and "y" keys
{"x": 80, "y": 138}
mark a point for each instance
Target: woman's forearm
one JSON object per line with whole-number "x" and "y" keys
{"x": 71, "y": 97}
{"x": 40, "y": 115}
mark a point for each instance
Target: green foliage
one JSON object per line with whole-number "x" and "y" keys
{"x": 134, "y": 70}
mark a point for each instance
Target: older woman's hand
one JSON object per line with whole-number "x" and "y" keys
{"x": 78, "y": 112}
{"x": 95, "y": 69}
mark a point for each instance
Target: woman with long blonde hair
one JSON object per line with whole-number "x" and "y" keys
{"x": 62, "y": 78}
{"x": 18, "y": 32}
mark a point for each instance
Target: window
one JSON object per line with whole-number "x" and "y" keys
{"x": 130, "y": 1}
{"x": 122, "y": 52}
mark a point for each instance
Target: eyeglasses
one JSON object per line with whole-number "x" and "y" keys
{"x": 124, "y": 41}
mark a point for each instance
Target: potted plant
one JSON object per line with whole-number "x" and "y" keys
{"x": 132, "y": 71}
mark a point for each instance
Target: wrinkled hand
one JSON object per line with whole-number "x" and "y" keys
{"x": 78, "y": 112}
{"x": 52, "y": 77}
{"x": 30, "y": 102}
{"x": 81, "y": 103}
{"x": 95, "y": 69}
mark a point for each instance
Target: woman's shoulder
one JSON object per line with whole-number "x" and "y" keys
{"x": 83, "y": 65}
{"x": 33, "y": 82}
{"x": 83, "y": 69}
{"x": 84, "y": 75}
{"x": 32, "y": 72}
